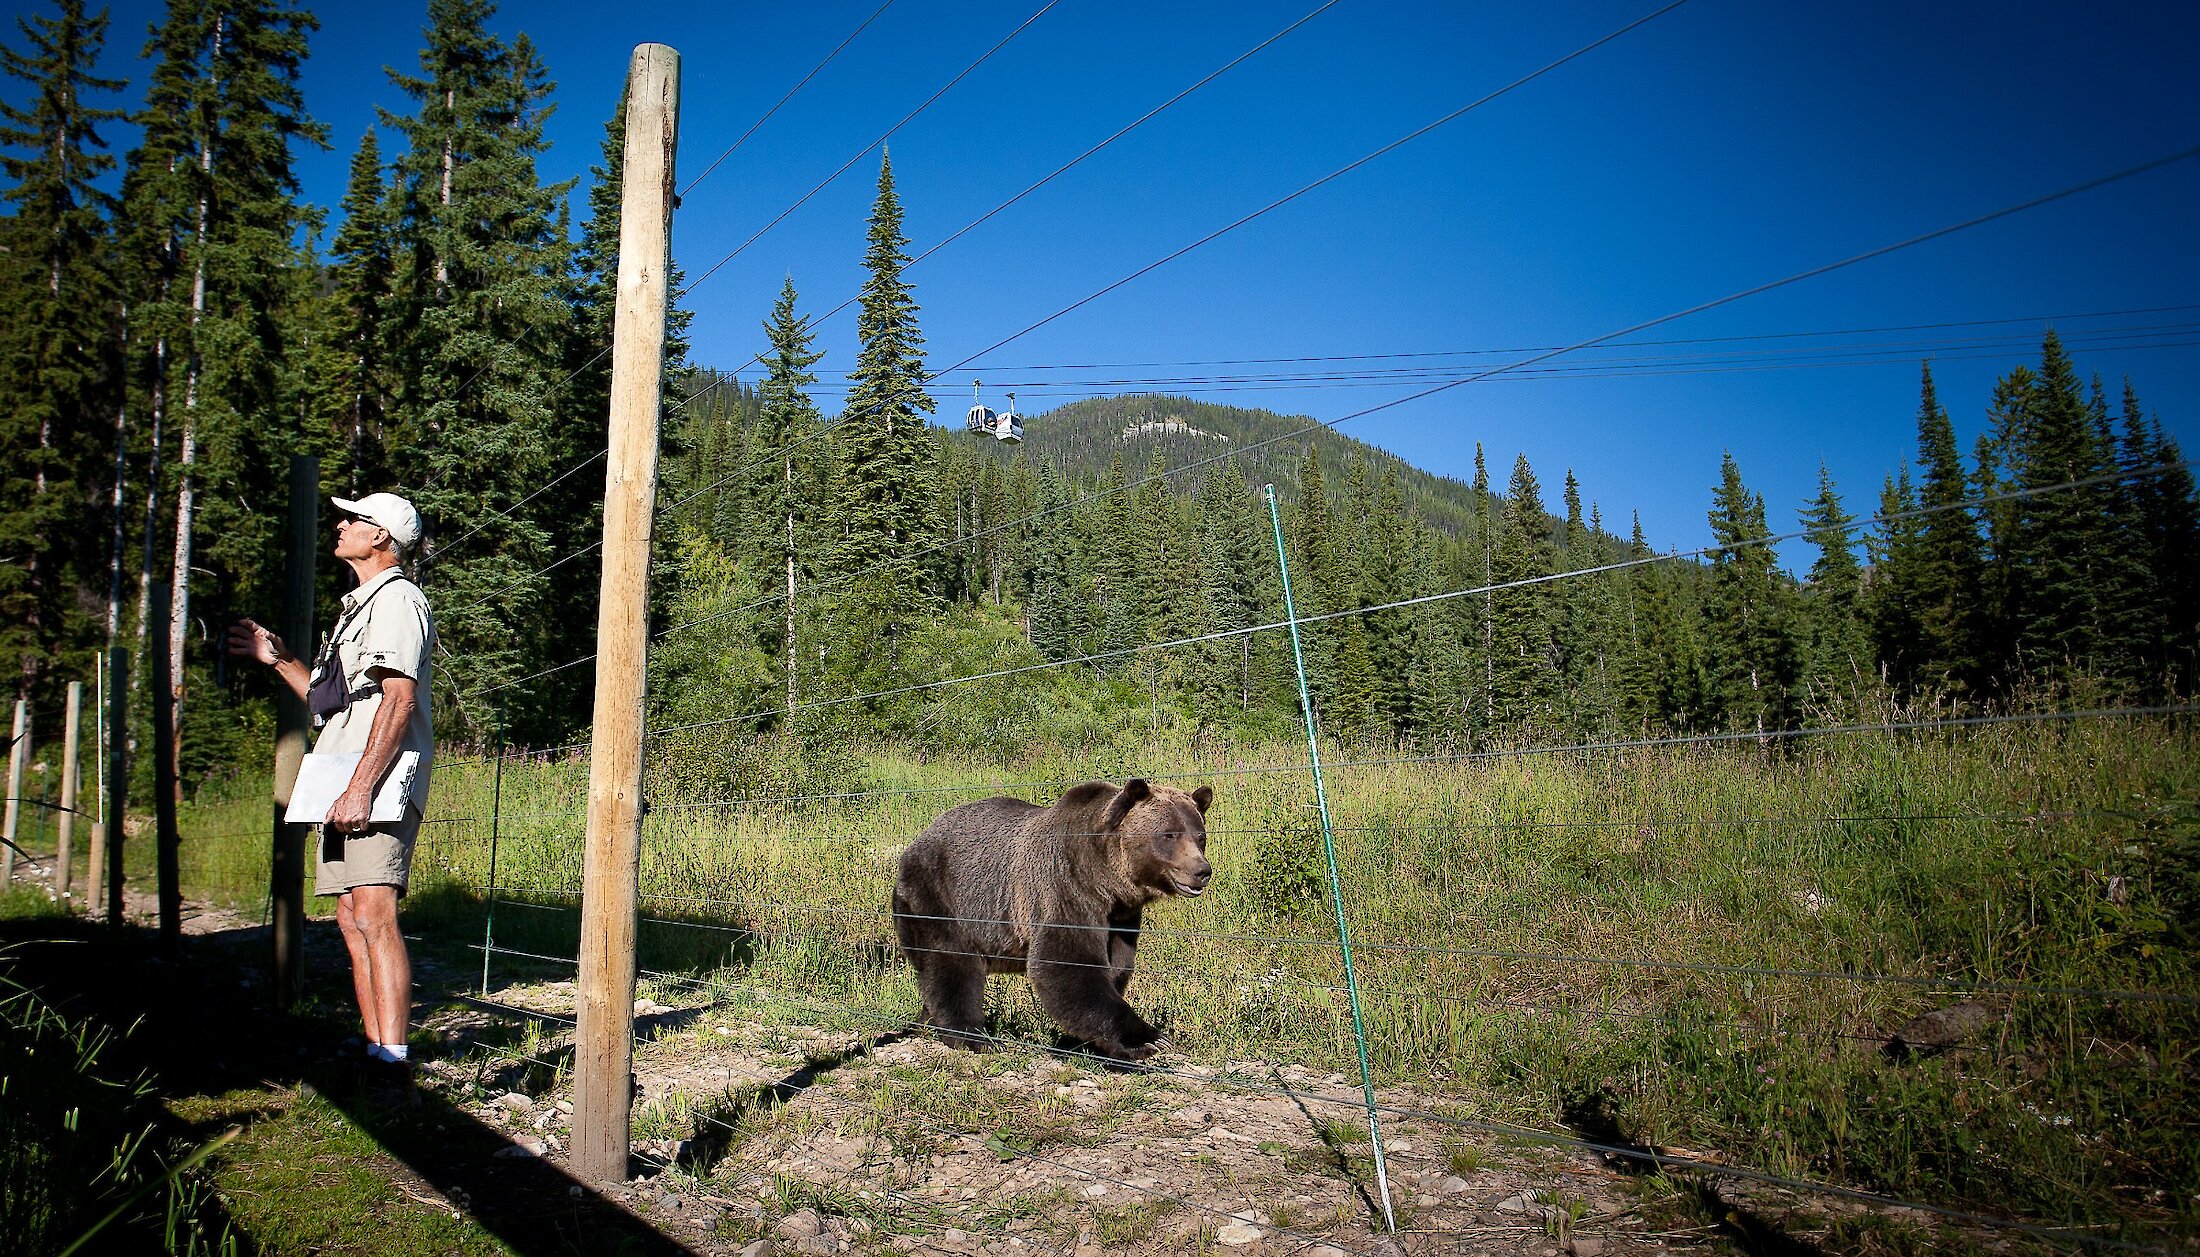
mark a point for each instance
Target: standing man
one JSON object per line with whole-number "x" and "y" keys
{"x": 369, "y": 691}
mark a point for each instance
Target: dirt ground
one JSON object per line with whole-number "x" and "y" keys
{"x": 1168, "y": 1163}
{"x": 757, "y": 1136}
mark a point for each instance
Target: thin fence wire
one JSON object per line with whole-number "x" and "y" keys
{"x": 888, "y": 134}
{"x": 1694, "y": 1018}
{"x": 1944, "y": 983}
{"x": 779, "y": 104}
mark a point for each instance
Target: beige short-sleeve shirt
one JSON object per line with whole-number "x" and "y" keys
{"x": 388, "y": 628}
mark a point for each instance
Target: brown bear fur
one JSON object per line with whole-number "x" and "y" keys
{"x": 1005, "y": 886}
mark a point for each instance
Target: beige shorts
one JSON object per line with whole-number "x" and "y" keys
{"x": 382, "y": 856}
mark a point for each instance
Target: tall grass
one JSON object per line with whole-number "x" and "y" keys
{"x": 1667, "y": 945}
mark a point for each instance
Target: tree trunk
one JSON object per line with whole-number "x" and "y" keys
{"x": 152, "y": 509}
{"x": 122, "y": 445}
{"x": 187, "y": 456}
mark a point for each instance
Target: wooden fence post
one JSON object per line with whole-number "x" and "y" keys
{"x": 19, "y": 755}
{"x": 604, "y": 1044}
{"x": 287, "y": 866}
{"x": 166, "y": 841}
{"x": 72, "y": 732}
{"x": 118, "y": 777}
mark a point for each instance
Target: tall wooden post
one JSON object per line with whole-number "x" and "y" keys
{"x": 287, "y": 867}
{"x": 118, "y": 777}
{"x": 604, "y": 1049}
{"x": 72, "y": 732}
{"x": 168, "y": 842}
{"x": 19, "y": 762}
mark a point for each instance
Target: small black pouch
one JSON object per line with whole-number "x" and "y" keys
{"x": 329, "y": 694}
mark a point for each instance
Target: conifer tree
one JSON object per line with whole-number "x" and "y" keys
{"x": 789, "y": 418}
{"x": 1523, "y": 657}
{"x": 1747, "y": 616}
{"x": 56, "y": 343}
{"x": 1994, "y": 477}
{"x": 211, "y": 198}
{"x": 2165, "y": 533}
{"x": 362, "y": 269}
{"x": 1582, "y": 624}
{"x": 1945, "y": 596}
{"x": 1055, "y": 627}
{"x": 1891, "y": 587}
{"x": 886, "y": 449}
{"x": 478, "y": 332}
{"x": 1839, "y": 651}
{"x": 2062, "y": 536}
{"x": 1312, "y": 545}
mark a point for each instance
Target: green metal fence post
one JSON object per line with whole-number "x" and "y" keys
{"x": 1336, "y": 885}
{"x": 496, "y": 808}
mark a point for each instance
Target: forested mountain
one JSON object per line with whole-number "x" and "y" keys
{"x": 1082, "y": 437}
{"x": 1126, "y": 540}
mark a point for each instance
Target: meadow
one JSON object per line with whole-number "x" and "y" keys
{"x": 1702, "y": 949}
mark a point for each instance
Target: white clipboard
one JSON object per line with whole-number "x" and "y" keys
{"x": 321, "y": 778}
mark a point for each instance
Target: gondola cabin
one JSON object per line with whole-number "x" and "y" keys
{"x": 1002, "y": 425}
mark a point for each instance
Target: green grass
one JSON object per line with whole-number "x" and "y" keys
{"x": 303, "y": 1178}
{"x": 2050, "y": 855}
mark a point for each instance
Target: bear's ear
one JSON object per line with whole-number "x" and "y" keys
{"x": 1125, "y": 799}
{"x": 1203, "y": 796}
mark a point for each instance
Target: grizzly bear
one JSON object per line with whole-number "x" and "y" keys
{"x": 1005, "y": 886}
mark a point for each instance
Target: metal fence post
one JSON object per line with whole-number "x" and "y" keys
{"x": 118, "y": 778}
{"x": 1336, "y": 886}
{"x": 293, "y": 725}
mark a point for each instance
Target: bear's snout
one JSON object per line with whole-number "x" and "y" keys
{"x": 1193, "y": 881}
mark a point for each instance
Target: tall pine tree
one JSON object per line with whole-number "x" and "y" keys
{"x": 57, "y": 342}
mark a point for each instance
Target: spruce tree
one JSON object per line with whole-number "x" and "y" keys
{"x": 1946, "y": 596}
{"x": 211, "y": 199}
{"x": 886, "y": 447}
{"x": 361, "y": 271}
{"x": 789, "y": 418}
{"x": 1894, "y": 547}
{"x": 478, "y": 333}
{"x": 1748, "y": 619}
{"x": 1839, "y": 651}
{"x": 1523, "y": 657}
{"x": 57, "y": 342}
{"x": 1994, "y": 477}
{"x": 2062, "y": 535}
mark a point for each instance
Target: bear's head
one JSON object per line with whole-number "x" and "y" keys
{"x": 1159, "y": 838}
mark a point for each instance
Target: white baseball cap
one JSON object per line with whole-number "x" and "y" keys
{"x": 391, "y": 512}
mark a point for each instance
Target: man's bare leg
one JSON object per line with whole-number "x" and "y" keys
{"x": 389, "y": 969}
{"x": 362, "y": 964}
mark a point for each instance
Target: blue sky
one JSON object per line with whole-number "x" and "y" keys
{"x": 1717, "y": 147}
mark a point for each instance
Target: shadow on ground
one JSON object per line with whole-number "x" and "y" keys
{"x": 204, "y": 1026}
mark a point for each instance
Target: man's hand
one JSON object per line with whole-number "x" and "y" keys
{"x": 352, "y": 809}
{"x": 248, "y": 640}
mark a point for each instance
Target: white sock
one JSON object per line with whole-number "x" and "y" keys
{"x": 395, "y": 1051}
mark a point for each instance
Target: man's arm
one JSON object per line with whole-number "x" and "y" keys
{"x": 352, "y": 809}
{"x": 247, "y": 640}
